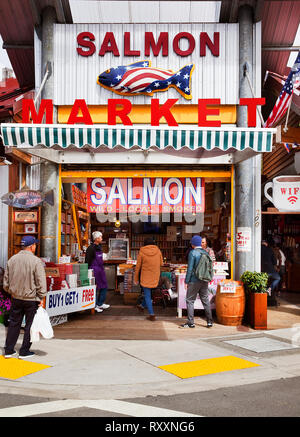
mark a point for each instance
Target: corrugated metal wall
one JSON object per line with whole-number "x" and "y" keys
{"x": 3, "y": 216}
{"x": 214, "y": 77}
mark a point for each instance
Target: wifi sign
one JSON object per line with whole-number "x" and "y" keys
{"x": 292, "y": 199}
{"x": 285, "y": 192}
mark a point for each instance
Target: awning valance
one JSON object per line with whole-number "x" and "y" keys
{"x": 144, "y": 137}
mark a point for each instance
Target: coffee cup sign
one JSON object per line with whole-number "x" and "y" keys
{"x": 286, "y": 193}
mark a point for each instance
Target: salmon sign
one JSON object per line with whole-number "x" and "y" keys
{"x": 145, "y": 195}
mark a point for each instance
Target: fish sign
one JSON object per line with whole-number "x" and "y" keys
{"x": 141, "y": 78}
{"x": 25, "y": 199}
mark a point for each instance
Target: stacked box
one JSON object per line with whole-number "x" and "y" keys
{"x": 84, "y": 278}
{"x": 62, "y": 271}
{"x": 69, "y": 269}
{"x": 53, "y": 283}
{"x": 72, "y": 280}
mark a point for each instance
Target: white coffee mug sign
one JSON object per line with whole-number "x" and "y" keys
{"x": 285, "y": 192}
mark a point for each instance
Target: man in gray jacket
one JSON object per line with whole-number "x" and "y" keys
{"x": 25, "y": 280}
{"x": 195, "y": 285}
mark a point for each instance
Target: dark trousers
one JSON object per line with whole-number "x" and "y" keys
{"x": 19, "y": 308}
{"x": 194, "y": 288}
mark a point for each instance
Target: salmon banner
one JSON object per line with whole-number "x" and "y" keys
{"x": 145, "y": 195}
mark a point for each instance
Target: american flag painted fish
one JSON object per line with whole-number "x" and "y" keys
{"x": 27, "y": 198}
{"x": 141, "y": 78}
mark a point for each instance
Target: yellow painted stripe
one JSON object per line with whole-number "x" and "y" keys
{"x": 185, "y": 114}
{"x": 13, "y": 368}
{"x": 208, "y": 366}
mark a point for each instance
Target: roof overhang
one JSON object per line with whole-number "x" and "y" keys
{"x": 63, "y": 143}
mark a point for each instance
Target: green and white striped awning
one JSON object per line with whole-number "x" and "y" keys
{"x": 144, "y": 137}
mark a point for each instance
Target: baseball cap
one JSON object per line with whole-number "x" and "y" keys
{"x": 29, "y": 240}
{"x": 196, "y": 241}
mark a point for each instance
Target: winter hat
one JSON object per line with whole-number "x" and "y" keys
{"x": 196, "y": 240}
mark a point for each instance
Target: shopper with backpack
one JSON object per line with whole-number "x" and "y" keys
{"x": 199, "y": 274}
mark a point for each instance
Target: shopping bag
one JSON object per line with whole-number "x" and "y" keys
{"x": 41, "y": 325}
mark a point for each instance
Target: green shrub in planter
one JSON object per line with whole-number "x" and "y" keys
{"x": 255, "y": 282}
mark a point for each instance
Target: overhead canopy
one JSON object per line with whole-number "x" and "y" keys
{"x": 145, "y": 137}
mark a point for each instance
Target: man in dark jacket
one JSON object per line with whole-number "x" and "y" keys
{"x": 195, "y": 285}
{"x": 268, "y": 263}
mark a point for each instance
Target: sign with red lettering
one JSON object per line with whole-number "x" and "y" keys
{"x": 243, "y": 239}
{"x": 145, "y": 195}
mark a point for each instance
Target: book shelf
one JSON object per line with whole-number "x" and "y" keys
{"x": 69, "y": 233}
{"x": 24, "y": 222}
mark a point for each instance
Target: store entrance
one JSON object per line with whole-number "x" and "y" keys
{"x": 124, "y": 233}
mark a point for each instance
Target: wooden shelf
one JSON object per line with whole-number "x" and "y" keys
{"x": 17, "y": 230}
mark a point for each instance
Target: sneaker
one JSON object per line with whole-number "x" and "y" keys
{"x": 28, "y": 354}
{"x": 104, "y": 306}
{"x": 98, "y": 309}
{"x": 209, "y": 324}
{"x": 187, "y": 325}
{"x": 10, "y": 355}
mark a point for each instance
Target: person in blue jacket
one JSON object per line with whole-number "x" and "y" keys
{"x": 195, "y": 286}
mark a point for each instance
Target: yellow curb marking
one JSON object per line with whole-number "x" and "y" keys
{"x": 208, "y": 366}
{"x": 14, "y": 368}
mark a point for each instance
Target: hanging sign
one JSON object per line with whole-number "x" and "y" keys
{"x": 286, "y": 193}
{"x": 243, "y": 239}
{"x": 145, "y": 195}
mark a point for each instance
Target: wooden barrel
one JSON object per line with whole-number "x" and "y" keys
{"x": 230, "y": 307}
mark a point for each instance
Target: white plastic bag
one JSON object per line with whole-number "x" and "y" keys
{"x": 41, "y": 325}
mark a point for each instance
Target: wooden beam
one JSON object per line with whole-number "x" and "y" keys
{"x": 291, "y": 136}
{"x": 20, "y": 156}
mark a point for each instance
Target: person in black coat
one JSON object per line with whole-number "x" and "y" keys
{"x": 268, "y": 265}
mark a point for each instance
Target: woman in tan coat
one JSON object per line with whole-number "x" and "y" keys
{"x": 147, "y": 272}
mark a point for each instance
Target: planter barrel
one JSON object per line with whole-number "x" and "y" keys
{"x": 258, "y": 310}
{"x": 230, "y": 307}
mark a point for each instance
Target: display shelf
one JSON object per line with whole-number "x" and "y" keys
{"x": 69, "y": 233}
{"x": 22, "y": 219}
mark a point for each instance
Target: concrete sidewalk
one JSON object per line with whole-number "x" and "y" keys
{"x": 118, "y": 369}
{"x": 102, "y": 356}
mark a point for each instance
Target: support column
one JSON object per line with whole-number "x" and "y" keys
{"x": 248, "y": 172}
{"x": 49, "y": 170}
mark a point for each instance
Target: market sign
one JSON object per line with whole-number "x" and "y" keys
{"x": 145, "y": 195}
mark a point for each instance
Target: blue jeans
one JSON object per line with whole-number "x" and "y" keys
{"x": 275, "y": 280}
{"x": 101, "y": 296}
{"x": 147, "y": 301}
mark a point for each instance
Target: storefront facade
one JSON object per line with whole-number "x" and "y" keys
{"x": 192, "y": 145}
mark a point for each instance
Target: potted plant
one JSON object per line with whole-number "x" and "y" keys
{"x": 255, "y": 284}
{"x": 5, "y": 304}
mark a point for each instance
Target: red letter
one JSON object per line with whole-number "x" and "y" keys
{"x": 82, "y": 42}
{"x": 163, "y": 42}
{"x": 162, "y": 111}
{"x": 109, "y": 45}
{"x": 252, "y": 104}
{"x": 113, "y": 112}
{"x": 75, "y": 118}
{"x": 214, "y": 47}
{"x": 176, "y": 47}
{"x": 45, "y": 106}
{"x": 203, "y": 111}
{"x": 127, "y": 50}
